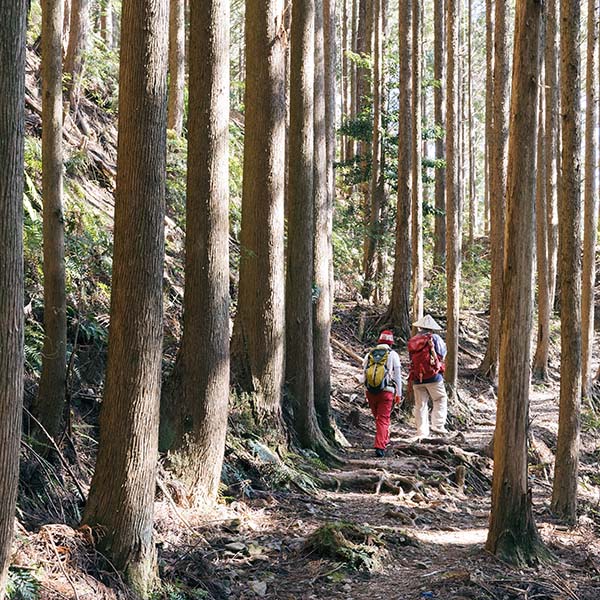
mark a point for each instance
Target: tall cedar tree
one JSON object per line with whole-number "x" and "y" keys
{"x": 344, "y": 78}
{"x": 259, "y": 331}
{"x": 197, "y": 454}
{"x": 564, "y": 491}
{"x": 299, "y": 340}
{"x": 489, "y": 92}
{"x": 548, "y": 219}
{"x": 106, "y": 22}
{"x": 453, "y": 204}
{"x": 79, "y": 32}
{"x": 417, "y": 183}
{"x": 399, "y": 309}
{"x": 513, "y": 535}
{"x": 439, "y": 66}
{"x": 176, "y": 64}
{"x": 590, "y": 218}
{"x": 329, "y": 40}
{"x": 497, "y": 149}
{"x": 470, "y": 126}
{"x": 121, "y": 499}
{"x": 377, "y": 182}
{"x": 541, "y": 235}
{"x": 322, "y": 303}
{"x": 50, "y": 404}
{"x": 12, "y": 93}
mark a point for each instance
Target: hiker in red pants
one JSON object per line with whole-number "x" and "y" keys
{"x": 382, "y": 378}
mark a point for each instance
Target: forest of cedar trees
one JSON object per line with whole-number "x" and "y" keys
{"x": 209, "y": 212}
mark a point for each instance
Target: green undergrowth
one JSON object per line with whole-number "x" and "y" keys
{"x": 22, "y": 584}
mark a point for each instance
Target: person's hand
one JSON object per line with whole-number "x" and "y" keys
{"x": 397, "y": 400}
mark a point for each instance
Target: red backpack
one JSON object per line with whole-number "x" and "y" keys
{"x": 424, "y": 361}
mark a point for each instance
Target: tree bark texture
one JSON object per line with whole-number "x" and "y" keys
{"x": 299, "y": 330}
{"x": 489, "y": 91}
{"x": 564, "y": 491}
{"x": 549, "y": 216}
{"x": 12, "y": 93}
{"x": 197, "y": 456}
{"x": 176, "y": 65}
{"x": 329, "y": 40}
{"x": 541, "y": 229}
{"x": 376, "y": 186}
{"x": 418, "y": 290}
{"x": 121, "y": 499}
{"x": 590, "y": 218}
{"x": 321, "y": 252}
{"x": 513, "y": 535}
{"x": 453, "y": 203}
{"x": 259, "y": 330}
{"x": 350, "y": 144}
{"x": 345, "y": 79}
{"x": 50, "y": 403}
{"x": 498, "y": 145}
{"x": 106, "y": 23}
{"x": 439, "y": 66}
{"x": 470, "y": 130}
{"x": 399, "y": 310}
{"x": 78, "y": 41}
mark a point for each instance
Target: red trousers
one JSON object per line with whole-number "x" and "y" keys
{"x": 381, "y": 406}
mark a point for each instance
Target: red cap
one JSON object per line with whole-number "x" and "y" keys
{"x": 386, "y": 337}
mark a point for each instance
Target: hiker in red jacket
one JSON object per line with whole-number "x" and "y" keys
{"x": 382, "y": 378}
{"x": 427, "y": 351}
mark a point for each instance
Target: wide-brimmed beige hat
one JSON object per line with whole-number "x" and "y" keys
{"x": 427, "y": 322}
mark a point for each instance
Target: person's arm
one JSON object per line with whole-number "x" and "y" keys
{"x": 364, "y": 367}
{"x": 440, "y": 346}
{"x": 396, "y": 374}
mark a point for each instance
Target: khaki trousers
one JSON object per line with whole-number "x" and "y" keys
{"x": 437, "y": 392}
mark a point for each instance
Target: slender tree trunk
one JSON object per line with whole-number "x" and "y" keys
{"x": 350, "y": 144}
{"x": 513, "y": 535}
{"x": 329, "y": 25}
{"x": 321, "y": 252}
{"x": 547, "y": 219}
{"x": 453, "y": 204}
{"x": 541, "y": 235}
{"x": 106, "y": 23}
{"x": 12, "y": 93}
{"x": 501, "y": 94}
{"x": 299, "y": 346}
{"x": 470, "y": 130}
{"x": 564, "y": 491}
{"x": 399, "y": 310}
{"x": 374, "y": 227}
{"x": 78, "y": 42}
{"x": 590, "y": 218}
{"x": 345, "y": 79}
{"x": 439, "y": 251}
{"x": 365, "y": 89}
{"x": 176, "y": 65}
{"x": 417, "y": 180}
{"x": 197, "y": 456}
{"x": 489, "y": 92}
{"x": 121, "y": 499}
{"x": 66, "y": 26}
{"x": 50, "y": 403}
{"x": 553, "y": 133}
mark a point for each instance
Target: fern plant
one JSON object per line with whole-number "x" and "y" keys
{"x": 22, "y": 585}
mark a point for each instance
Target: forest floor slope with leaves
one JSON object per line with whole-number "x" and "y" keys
{"x": 410, "y": 525}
